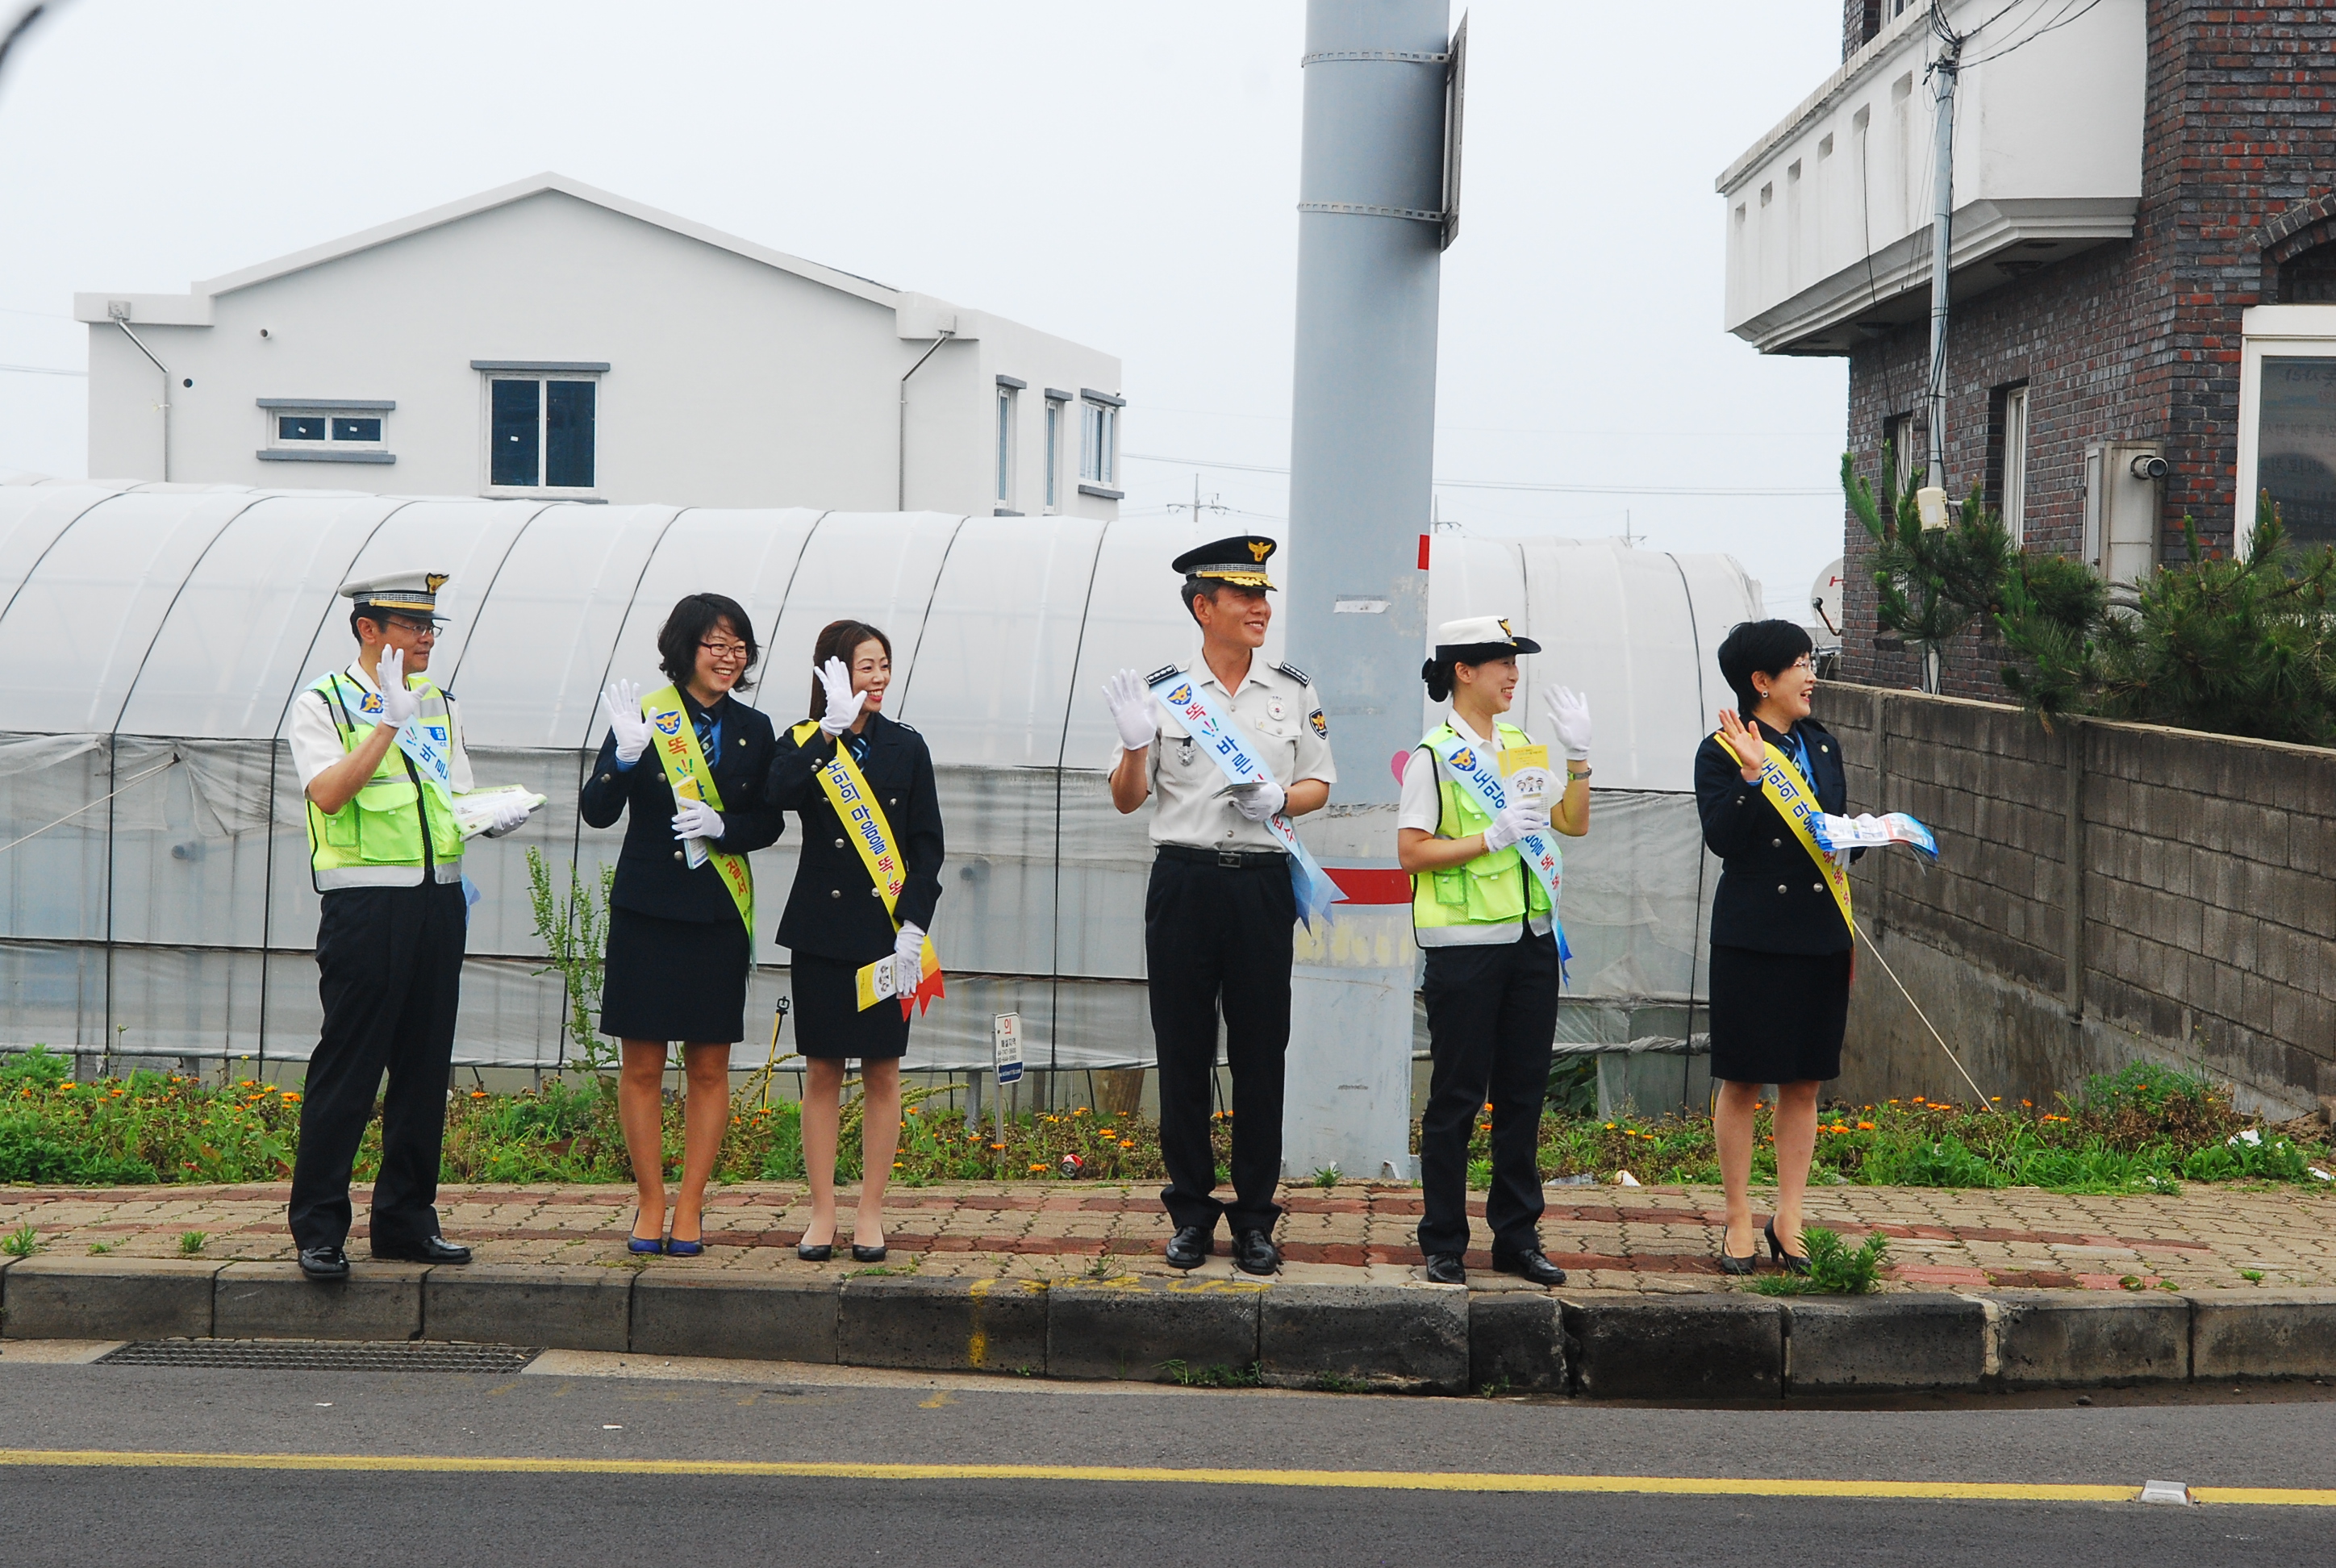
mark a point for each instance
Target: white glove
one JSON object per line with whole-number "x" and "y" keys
{"x": 397, "y": 704}
{"x": 622, "y": 703}
{"x": 511, "y": 813}
{"x": 1516, "y": 820}
{"x": 1132, "y": 709}
{"x": 1569, "y": 720}
{"x": 1258, "y": 802}
{"x": 908, "y": 960}
{"x": 843, "y": 704}
{"x": 697, "y": 820}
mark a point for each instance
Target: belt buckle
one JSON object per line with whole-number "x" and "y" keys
{"x": 1233, "y": 858}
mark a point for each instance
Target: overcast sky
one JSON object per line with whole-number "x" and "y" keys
{"x": 1122, "y": 174}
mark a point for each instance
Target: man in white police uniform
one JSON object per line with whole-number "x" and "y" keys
{"x": 379, "y": 751}
{"x": 1221, "y": 910}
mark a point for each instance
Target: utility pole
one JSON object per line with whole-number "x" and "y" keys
{"x": 1943, "y": 86}
{"x": 1196, "y": 505}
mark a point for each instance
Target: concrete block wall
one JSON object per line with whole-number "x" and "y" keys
{"x": 2104, "y": 893}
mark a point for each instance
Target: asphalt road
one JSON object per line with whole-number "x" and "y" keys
{"x": 457, "y": 1508}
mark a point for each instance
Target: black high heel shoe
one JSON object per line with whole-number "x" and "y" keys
{"x": 1792, "y": 1262}
{"x": 814, "y": 1253}
{"x": 1729, "y": 1263}
{"x": 874, "y": 1254}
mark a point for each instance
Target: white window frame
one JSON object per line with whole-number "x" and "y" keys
{"x": 1008, "y": 408}
{"x": 2270, "y": 332}
{"x": 540, "y": 372}
{"x": 2014, "y": 508}
{"x": 1099, "y": 444}
{"x": 333, "y": 448}
{"x": 1055, "y": 408}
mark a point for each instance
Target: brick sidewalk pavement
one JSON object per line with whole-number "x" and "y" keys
{"x": 1646, "y": 1239}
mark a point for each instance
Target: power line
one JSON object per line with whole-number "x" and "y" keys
{"x": 41, "y": 370}
{"x": 1517, "y": 484}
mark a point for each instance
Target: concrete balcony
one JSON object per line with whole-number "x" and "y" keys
{"x": 1829, "y": 215}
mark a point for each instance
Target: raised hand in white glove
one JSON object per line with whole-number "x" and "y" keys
{"x": 1258, "y": 802}
{"x": 1514, "y": 820}
{"x": 843, "y": 704}
{"x": 622, "y": 703}
{"x": 1569, "y": 720}
{"x": 508, "y": 814}
{"x": 909, "y": 959}
{"x": 697, "y": 820}
{"x": 397, "y": 704}
{"x": 1132, "y": 709}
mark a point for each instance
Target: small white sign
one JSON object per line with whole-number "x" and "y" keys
{"x": 1006, "y": 1047}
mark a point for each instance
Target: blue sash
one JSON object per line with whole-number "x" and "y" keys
{"x": 429, "y": 746}
{"x": 1237, "y": 759}
{"x": 1472, "y": 769}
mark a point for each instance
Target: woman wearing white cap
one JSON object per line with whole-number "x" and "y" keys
{"x": 1485, "y": 878}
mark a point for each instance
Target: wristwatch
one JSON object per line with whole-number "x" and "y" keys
{"x": 1571, "y": 774}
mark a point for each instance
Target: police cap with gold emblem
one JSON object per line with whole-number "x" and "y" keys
{"x": 1239, "y": 561}
{"x": 1478, "y": 638}
{"x": 413, "y": 593}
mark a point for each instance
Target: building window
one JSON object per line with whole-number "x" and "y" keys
{"x": 541, "y": 433}
{"x": 1898, "y": 435}
{"x": 1099, "y": 440}
{"x": 2295, "y": 444}
{"x": 2013, "y": 505}
{"x": 2308, "y": 279}
{"x": 1054, "y": 451}
{"x": 325, "y": 430}
{"x": 1005, "y": 445}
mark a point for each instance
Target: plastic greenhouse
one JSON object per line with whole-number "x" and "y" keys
{"x": 154, "y": 636}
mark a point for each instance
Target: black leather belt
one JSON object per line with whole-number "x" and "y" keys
{"x": 1234, "y": 859}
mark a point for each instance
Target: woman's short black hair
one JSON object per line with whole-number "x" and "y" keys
{"x": 693, "y": 617}
{"x": 1767, "y": 648}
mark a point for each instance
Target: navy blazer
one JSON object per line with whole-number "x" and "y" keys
{"x": 652, "y": 877}
{"x": 1771, "y": 897}
{"x": 835, "y": 910}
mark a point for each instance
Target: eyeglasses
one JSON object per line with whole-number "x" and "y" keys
{"x": 726, "y": 652}
{"x": 422, "y": 629}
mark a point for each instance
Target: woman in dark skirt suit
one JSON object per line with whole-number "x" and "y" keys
{"x": 1780, "y": 950}
{"x": 835, "y": 920}
{"x": 679, "y": 947}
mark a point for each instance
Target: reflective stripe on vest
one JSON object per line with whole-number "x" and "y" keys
{"x": 376, "y": 840}
{"x": 1483, "y": 902}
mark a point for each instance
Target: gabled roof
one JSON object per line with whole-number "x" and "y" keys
{"x": 193, "y": 308}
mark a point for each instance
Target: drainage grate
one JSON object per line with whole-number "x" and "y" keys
{"x": 321, "y": 1356}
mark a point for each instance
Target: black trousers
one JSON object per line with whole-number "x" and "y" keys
{"x": 1213, "y": 932}
{"x": 1491, "y": 1013}
{"x": 390, "y": 972}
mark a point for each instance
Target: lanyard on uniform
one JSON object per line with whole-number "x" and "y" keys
{"x": 1801, "y": 757}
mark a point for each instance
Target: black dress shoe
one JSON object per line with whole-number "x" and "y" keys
{"x": 820, "y": 1254}
{"x": 429, "y": 1250}
{"x": 874, "y": 1254}
{"x": 1255, "y": 1253}
{"x": 323, "y": 1262}
{"x": 1791, "y": 1263}
{"x": 1530, "y": 1265}
{"x": 1189, "y": 1247}
{"x": 1445, "y": 1268}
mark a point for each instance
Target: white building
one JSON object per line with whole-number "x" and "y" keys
{"x": 550, "y": 340}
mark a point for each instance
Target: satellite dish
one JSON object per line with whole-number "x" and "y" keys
{"x": 1824, "y": 598}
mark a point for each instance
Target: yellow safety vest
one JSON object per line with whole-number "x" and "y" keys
{"x": 1493, "y": 889}
{"x": 380, "y": 832}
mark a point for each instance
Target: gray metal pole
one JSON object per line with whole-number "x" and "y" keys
{"x": 1362, "y": 452}
{"x": 1942, "y": 182}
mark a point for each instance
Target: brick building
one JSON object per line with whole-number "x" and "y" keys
{"x": 2143, "y": 268}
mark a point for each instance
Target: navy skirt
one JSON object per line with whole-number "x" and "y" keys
{"x": 1777, "y": 1017}
{"x": 675, "y": 980}
{"x": 828, "y": 1021}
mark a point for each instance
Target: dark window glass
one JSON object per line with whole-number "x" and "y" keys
{"x": 514, "y": 433}
{"x": 2296, "y": 435}
{"x": 568, "y": 434}
{"x": 299, "y": 427}
{"x": 357, "y": 429}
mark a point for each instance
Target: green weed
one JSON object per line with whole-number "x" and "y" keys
{"x": 192, "y": 1243}
{"x": 1834, "y": 1268}
{"x": 21, "y": 1242}
{"x": 1214, "y": 1377}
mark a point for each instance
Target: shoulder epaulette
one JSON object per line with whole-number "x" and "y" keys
{"x": 1157, "y": 675}
{"x": 1294, "y": 673}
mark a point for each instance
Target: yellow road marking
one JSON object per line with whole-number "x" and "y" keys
{"x": 1379, "y": 1480}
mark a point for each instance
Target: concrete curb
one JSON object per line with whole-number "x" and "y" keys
{"x": 1415, "y": 1338}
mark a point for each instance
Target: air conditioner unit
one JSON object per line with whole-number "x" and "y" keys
{"x": 2123, "y": 510}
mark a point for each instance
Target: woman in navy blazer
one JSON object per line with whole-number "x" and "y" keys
{"x": 1780, "y": 950}
{"x": 836, "y": 921}
{"x": 680, "y": 949}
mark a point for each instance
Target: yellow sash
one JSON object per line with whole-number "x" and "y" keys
{"x": 675, "y": 739}
{"x": 864, "y": 823}
{"x": 1783, "y": 787}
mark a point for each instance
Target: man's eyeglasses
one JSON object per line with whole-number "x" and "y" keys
{"x": 727, "y": 652}
{"x": 419, "y": 628}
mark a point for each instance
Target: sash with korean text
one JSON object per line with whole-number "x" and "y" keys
{"x": 864, "y": 823}
{"x": 430, "y": 746}
{"x": 1476, "y": 770}
{"x": 675, "y": 740}
{"x": 1789, "y": 793}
